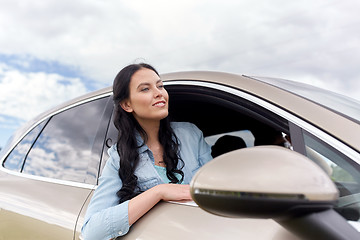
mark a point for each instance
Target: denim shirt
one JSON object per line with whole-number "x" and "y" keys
{"x": 105, "y": 217}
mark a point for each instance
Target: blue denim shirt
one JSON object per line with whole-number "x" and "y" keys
{"x": 105, "y": 217}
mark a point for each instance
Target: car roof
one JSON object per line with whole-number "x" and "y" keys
{"x": 341, "y": 104}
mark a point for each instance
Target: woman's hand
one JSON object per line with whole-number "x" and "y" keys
{"x": 174, "y": 192}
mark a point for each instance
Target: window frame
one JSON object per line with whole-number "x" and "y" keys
{"x": 283, "y": 113}
{"x": 35, "y": 123}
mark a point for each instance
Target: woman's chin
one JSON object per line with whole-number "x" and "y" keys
{"x": 164, "y": 115}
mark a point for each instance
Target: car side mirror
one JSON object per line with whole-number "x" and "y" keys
{"x": 262, "y": 182}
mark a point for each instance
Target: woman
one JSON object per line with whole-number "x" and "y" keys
{"x": 153, "y": 159}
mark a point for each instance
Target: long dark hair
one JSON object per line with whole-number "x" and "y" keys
{"x": 127, "y": 145}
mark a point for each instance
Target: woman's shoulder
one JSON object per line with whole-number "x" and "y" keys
{"x": 185, "y": 128}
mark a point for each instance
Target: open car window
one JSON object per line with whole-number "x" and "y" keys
{"x": 217, "y": 113}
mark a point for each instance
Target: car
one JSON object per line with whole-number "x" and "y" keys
{"x": 306, "y": 188}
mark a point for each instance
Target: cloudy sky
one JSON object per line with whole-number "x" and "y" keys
{"x": 52, "y": 51}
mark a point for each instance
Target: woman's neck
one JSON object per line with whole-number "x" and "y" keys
{"x": 152, "y": 130}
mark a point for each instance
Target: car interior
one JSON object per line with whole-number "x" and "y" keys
{"x": 217, "y": 113}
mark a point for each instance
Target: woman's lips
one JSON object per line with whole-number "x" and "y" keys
{"x": 159, "y": 104}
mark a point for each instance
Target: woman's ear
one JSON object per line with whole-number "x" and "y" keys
{"x": 126, "y": 106}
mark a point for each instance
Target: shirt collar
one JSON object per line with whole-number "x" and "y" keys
{"x": 140, "y": 143}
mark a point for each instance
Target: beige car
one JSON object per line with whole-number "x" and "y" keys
{"x": 297, "y": 175}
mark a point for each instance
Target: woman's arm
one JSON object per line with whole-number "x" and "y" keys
{"x": 113, "y": 221}
{"x": 106, "y": 218}
{"x": 142, "y": 203}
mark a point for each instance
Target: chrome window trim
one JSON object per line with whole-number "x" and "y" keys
{"x": 341, "y": 147}
{"x": 47, "y": 179}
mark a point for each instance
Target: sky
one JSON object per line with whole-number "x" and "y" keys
{"x": 52, "y": 51}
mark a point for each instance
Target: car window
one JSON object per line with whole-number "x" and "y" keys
{"x": 343, "y": 171}
{"x": 340, "y": 169}
{"x": 64, "y": 148}
{"x": 15, "y": 159}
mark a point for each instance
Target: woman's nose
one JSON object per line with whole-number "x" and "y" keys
{"x": 158, "y": 93}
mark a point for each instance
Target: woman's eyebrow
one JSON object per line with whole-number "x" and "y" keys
{"x": 143, "y": 84}
{"x": 147, "y": 84}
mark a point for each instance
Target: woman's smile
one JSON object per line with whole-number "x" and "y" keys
{"x": 160, "y": 104}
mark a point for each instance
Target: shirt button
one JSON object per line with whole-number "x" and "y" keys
{"x": 120, "y": 233}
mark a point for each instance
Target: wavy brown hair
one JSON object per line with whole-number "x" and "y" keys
{"x": 127, "y": 145}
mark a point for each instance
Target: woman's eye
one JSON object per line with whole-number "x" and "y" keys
{"x": 145, "y": 89}
{"x": 161, "y": 86}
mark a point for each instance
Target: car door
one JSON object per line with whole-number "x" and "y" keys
{"x": 48, "y": 176}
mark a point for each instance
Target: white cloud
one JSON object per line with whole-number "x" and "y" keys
{"x": 24, "y": 95}
{"x": 310, "y": 39}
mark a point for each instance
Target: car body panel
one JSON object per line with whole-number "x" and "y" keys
{"x": 43, "y": 209}
{"x": 176, "y": 221}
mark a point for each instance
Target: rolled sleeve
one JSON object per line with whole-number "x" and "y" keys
{"x": 119, "y": 222}
{"x": 107, "y": 224}
{"x": 105, "y": 218}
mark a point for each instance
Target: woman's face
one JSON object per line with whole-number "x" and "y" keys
{"x": 148, "y": 99}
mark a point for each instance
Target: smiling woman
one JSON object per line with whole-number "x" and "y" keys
{"x": 153, "y": 159}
